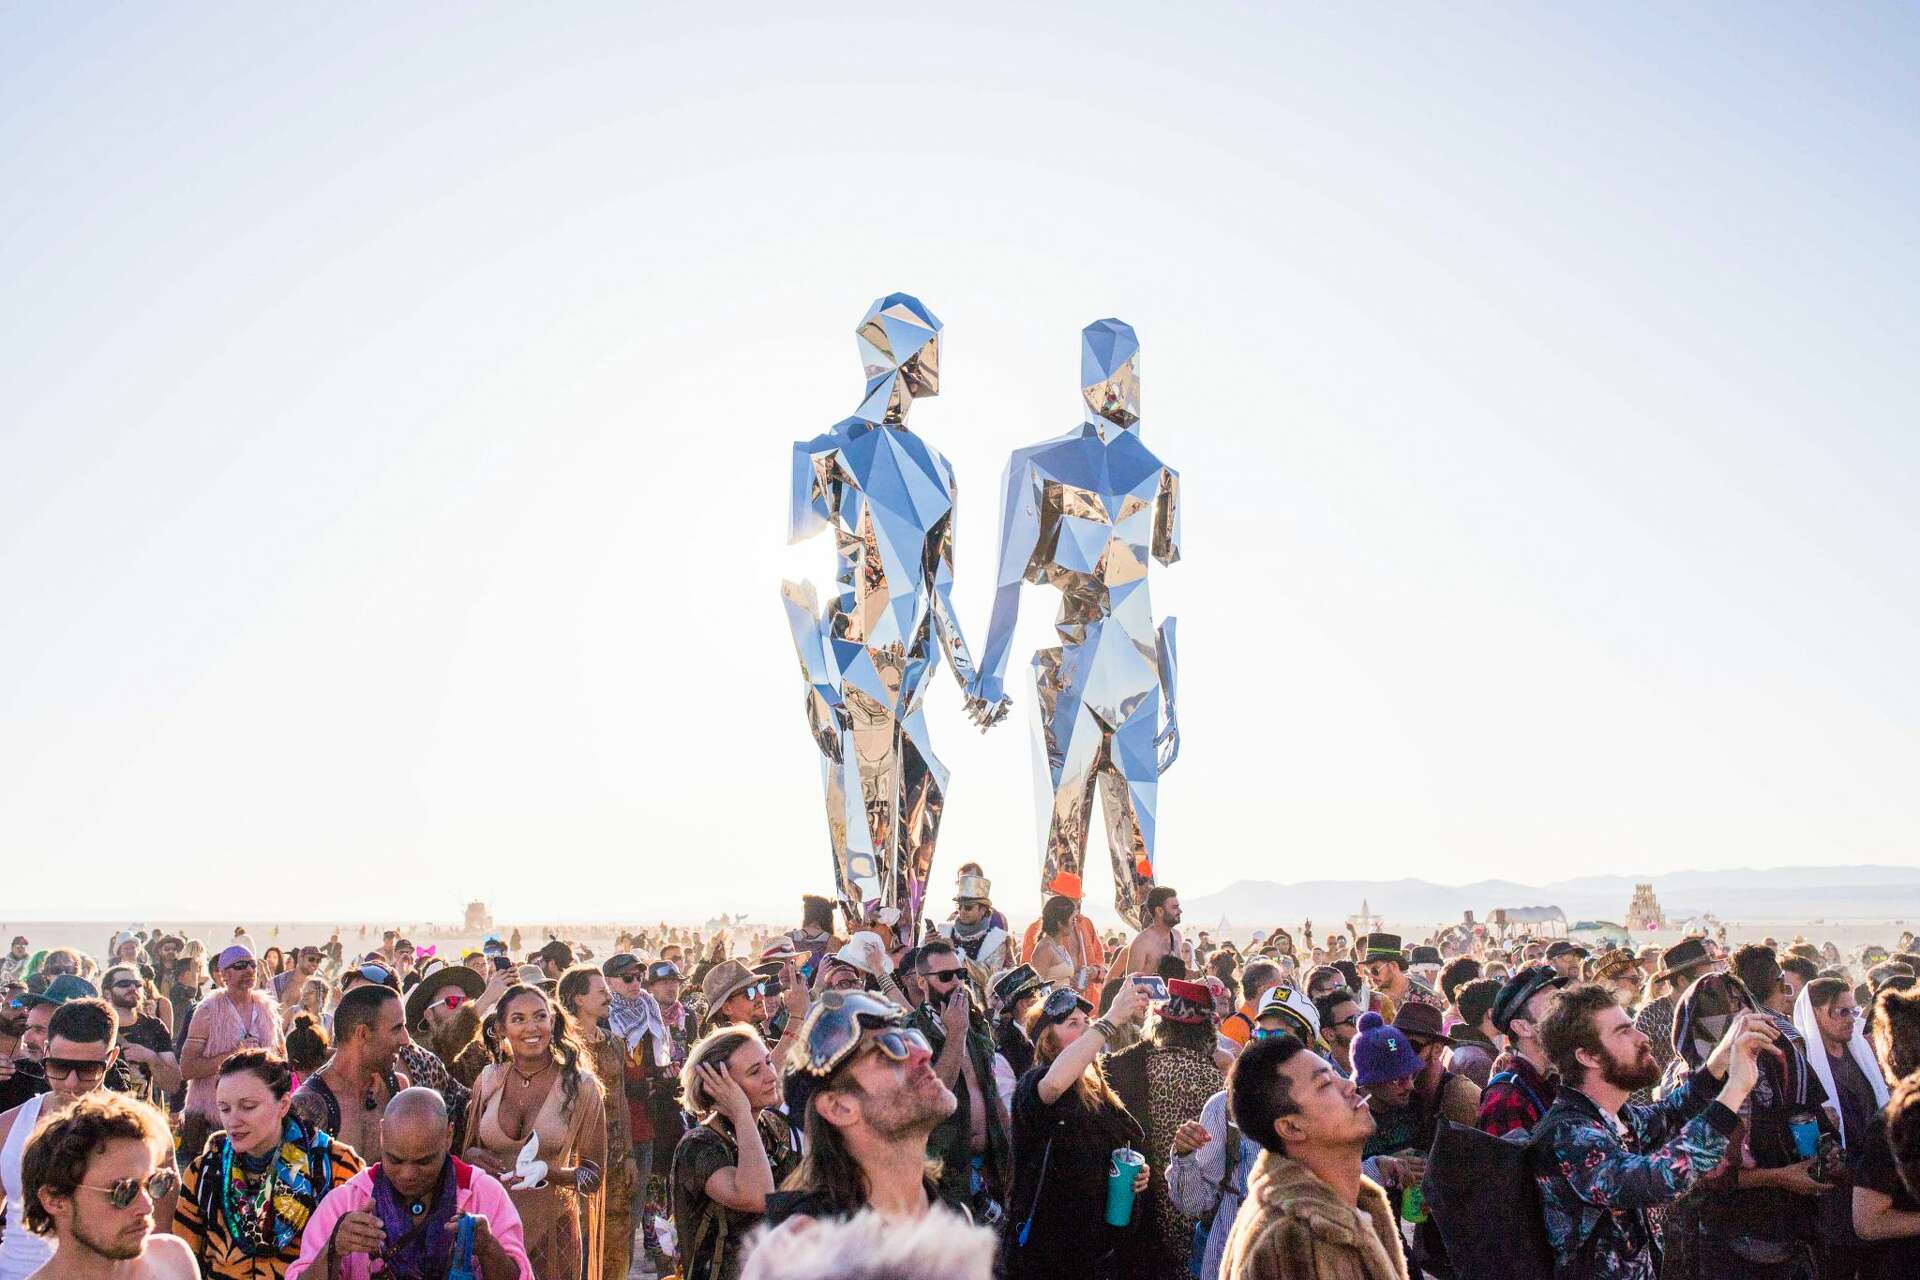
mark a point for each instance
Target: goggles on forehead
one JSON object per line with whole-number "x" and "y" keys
{"x": 375, "y": 973}
{"x": 834, "y": 1029}
{"x": 1060, "y": 1004}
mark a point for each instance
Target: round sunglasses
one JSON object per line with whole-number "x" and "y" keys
{"x": 159, "y": 1185}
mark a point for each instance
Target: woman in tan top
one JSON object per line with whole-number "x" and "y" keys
{"x": 545, "y": 1087}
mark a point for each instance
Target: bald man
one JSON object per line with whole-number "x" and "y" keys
{"x": 406, "y": 1210}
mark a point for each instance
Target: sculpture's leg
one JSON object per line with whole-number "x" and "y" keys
{"x": 923, "y": 781}
{"x": 1129, "y": 795}
{"x": 1068, "y": 745}
{"x": 873, "y": 776}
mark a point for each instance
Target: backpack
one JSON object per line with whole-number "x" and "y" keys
{"x": 1482, "y": 1198}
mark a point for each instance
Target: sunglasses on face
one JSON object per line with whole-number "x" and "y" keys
{"x": 631, "y": 975}
{"x": 943, "y": 975}
{"x": 159, "y": 1185}
{"x": 1351, "y": 1020}
{"x": 123, "y": 984}
{"x": 454, "y": 999}
{"x": 1844, "y": 1010}
{"x": 240, "y": 964}
{"x": 84, "y": 1068}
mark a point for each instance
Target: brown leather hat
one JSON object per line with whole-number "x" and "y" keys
{"x": 1421, "y": 1022}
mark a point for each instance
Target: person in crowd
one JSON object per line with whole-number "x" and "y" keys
{"x": 1159, "y": 935}
{"x": 971, "y": 1143}
{"x": 347, "y": 1095}
{"x": 1014, "y": 993}
{"x": 726, "y": 1166}
{"x": 1062, "y": 951}
{"x": 443, "y": 1017}
{"x": 1565, "y": 958}
{"x": 145, "y": 1041}
{"x": 987, "y": 947}
{"x": 1163, "y": 1082}
{"x": 871, "y": 1246}
{"x": 814, "y": 938}
{"x": 1886, "y": 1209}
{"x": 861, "y": 1081}
{"x": 1521, "y": 1089}
{"x": 1388, "y": 982}
{"x": 1311, "y": 1212}
{"x": 308, "y": 1047}
{"x": 312, "y": 1001}
{"x": 553, "y": 959}
{"x": 1385, "y": 1070}
{"x": 234, "y": 1017}
{"x": 666, "y": 1121}
{"x": 1067, "y": 1123}
{"x": 189, "y": 983}
{"x": 735, "y": 994}
{"x": 13, "y": 966}
{"x": 1207, "y": 1176}
{"x": 400, "y": 1218}
{"x": 1756, "y": 1217}
{"x": 288, "y": 984}
{"x": 1828, "y": 1015}
{"x": 1680, "y": 964}
{"x": 1619, "y": 972}
{"x": 93, "y": 1181}
{"x": 1797, "y": 969}
{"x": 1474, "y": 1047}
{"x": 545, "y": 1096}
{"x": 1339, "y": 1011}
{"x": 76, "y": 1057}
{"x": 1455, "y": 974}
{"x": 1258, "y": 978}
{"x": 638, "y": 1033}
{"x": 584, "y": 993}
{"x": 1440, "y": 1092}
{"x": 1605, "y": 1161}
{"x": 247, "y": 1196}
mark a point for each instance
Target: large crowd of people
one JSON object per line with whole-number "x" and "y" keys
{"x": 980, "y": 1100}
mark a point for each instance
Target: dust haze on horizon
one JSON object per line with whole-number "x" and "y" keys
{"x": 393, "y": 471}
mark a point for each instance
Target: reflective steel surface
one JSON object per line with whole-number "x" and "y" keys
{"x": 1082, "y": 513}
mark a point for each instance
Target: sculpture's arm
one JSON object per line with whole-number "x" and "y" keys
{"x": 1019, "y": 538}
{"x": 809, "y": 508}
{"x": 953, "y": 641}
{"x": 826, "y": 715}
{"x": 1166, "y": 518}
{"x": 1168, "y": 660}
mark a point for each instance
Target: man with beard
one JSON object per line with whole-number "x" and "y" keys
{"x": 402, "y": 1214}
{"x": 862, "y": 1082}
{"x": 1520, "y": 1088}
{"x": 145, "y": 1042}
{"x": 973, "y": 1144}
{"x": 1608, "y": 1161}
{"x": 287, "y": 986}
{"x": 987, "y": 947}
{"x": 1157, "y": 937}
{"x": 441, "y": 1015}
{"x": 346, "y": 1096}
{"x": 93, "y": 1179}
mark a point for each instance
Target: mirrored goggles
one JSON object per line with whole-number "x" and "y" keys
{"x": 834, "y": 1028}
{"x": 1060, "y": 1004}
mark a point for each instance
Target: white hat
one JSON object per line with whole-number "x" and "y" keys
{"x": 1292, "y": 1004}
{"x": 854, "y": 953}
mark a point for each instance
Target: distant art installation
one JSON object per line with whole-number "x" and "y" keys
{"x": 867, "y": 660}
{"x": 1082, "y": 512}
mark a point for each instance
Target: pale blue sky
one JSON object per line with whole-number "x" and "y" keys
{"x": 397, "y": 402}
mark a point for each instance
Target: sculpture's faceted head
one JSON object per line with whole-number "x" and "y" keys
{"x": 1110, "y": 371}
{"x": 900, "y": 347}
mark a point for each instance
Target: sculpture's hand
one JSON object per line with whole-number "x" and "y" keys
{"x": 987, "y": 701}
{"x": 1168, "y": 743}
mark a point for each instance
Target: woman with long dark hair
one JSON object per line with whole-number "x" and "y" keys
{"x": 246, "y": 1198}
{"x": 1067, "y": 1122}
{"x": 547, "y": 1091}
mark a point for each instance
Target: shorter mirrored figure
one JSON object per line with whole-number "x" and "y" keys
{"x": 867, "y": 660}
{"x": 1082, "y": 512}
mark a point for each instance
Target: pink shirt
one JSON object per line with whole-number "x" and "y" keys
{"x": 474, "y": 1192}
{"x": 226, "y": 1027}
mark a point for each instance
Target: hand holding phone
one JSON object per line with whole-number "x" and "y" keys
{"x": 1152, "y": 984}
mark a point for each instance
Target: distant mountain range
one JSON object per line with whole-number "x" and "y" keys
{"x": 1785, "y": 893}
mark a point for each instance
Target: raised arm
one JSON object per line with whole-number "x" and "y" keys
{"x": 939, "y": 570}
{"x": 1166, "y": 518}
{"x": 810, "y": 504}
{"x": 1019, "y": 538}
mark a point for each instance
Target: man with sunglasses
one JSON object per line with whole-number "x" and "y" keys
{"x": 862, "y": 1083}
{"x": 80, "y": 1051}
{"x": 973, "y": 1144}
{"x": 95, "y": 1179}
{"x": 421, "y": 1065}
{"x": 145, "y": 1042}
{"x": 234, "y": 1017}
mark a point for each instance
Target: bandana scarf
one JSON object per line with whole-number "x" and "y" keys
{"x": 631, "y": 1017}
{"x": 419, "y": 1246}
{"x": 268, "y": 1219}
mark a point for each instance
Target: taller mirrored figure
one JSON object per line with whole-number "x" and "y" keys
{"x": 1082, "y": 512}
{"x": 867, "y": 661}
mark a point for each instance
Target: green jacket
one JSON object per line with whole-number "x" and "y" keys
{"x": 948, "y": 1143}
